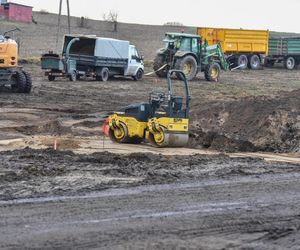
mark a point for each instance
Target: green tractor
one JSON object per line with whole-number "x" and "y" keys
{"x": 187, "y": 53}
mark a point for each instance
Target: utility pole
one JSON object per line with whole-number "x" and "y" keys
{"x": 59, "y": 17}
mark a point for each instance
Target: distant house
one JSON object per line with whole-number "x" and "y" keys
{"x": 16, "y": 12}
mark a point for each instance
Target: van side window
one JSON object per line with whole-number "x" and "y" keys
{"x": 134, "y": 54}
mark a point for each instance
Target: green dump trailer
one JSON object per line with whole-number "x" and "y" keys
{"x": 284, "y": 50}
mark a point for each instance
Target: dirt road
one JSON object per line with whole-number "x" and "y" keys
{"x": 250, "y": 212}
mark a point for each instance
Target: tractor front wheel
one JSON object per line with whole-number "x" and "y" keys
{"x": 212, "y": 72}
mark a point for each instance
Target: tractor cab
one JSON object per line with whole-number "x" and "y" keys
{"x": 183, "y": 42}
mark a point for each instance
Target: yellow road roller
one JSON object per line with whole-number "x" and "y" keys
{"x": 163, "y": 121}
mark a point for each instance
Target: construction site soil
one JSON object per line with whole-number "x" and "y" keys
{"x": 91, "y": 193}
{"x": 236, "y": 185}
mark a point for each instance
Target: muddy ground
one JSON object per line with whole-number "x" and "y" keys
{"x": 245, "y": 111}
{"x": 212, "y": 195}
{"x": 52, "y": 199}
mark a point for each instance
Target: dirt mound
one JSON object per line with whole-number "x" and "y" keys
{"x": 249, "y": 124}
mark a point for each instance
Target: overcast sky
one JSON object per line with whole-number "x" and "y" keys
{"x": 255, "y": 14}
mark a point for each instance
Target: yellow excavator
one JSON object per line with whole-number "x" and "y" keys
{"x": 163, "y": 121}
{"x": 10, "y": 73}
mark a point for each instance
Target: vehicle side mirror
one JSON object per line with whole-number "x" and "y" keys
{"x": 142, "y": 57}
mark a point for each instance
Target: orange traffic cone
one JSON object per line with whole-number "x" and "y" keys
{"x": 105, "y": 127}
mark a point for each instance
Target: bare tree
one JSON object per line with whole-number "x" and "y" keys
{"x": 112, "y": 17}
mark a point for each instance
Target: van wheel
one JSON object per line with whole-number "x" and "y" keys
{"x": 139, "y": 75}
{"x": 104, "y": 75}
{"x": 289, "y": 63}
{"x": 254, "y": 62}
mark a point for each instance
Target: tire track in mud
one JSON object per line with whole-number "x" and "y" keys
{"x": 253, "y": 211}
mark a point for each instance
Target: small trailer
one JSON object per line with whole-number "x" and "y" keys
{"x": 284, "y": 50}
{"x": 93, "y": 56}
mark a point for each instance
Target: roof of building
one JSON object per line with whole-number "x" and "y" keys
{"x": 17, "y": 4}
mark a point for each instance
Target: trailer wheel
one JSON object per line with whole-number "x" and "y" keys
{"x": 289, "y": 63}
{"x": 139, "y": 75}
{"x": 254, "y": 62}
{"x": 51, "y": 78}
{"x": 18, "y": 82}
{"x": 104, "y": 75}
{"x": 188, "y": 65}
{"x": 212, "y": 72}
{"x": 28, "y": 84}
{"x": 73, "y": 76}
{"x": 242, "y": 61}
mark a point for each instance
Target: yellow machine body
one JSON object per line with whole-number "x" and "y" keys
{"x": 168, "y": 131}
{"x": 126, "y": 128}
{"x": 163, "y": 131}
{"x": 8, "y": 54}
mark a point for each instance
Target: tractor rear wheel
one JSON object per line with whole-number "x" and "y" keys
{"x": 242, "y": 61}
{"x": 28, "y": 84}
{"x": 188, "y": 65}
{"x": 254, "y": 62}
{"x": 212, "y": 72}
{"x": 18, "y": 82}
{"x": 289, "y": 63}
{"x": 157, "y": 66}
